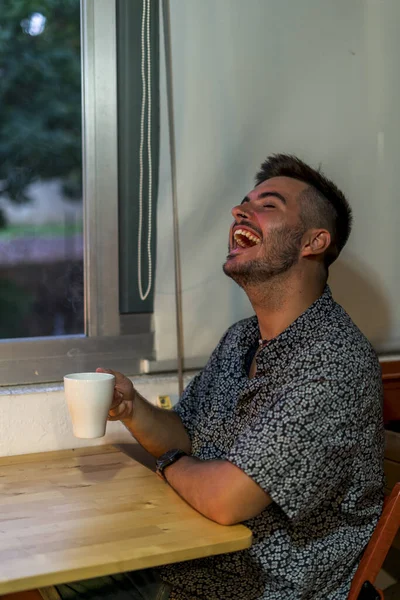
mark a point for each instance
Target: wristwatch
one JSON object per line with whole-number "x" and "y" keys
{"x": 167, "y": 459}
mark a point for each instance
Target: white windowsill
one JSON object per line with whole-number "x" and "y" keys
{"x": 138, "y": 380}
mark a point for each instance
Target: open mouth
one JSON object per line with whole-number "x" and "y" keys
{"x": 245, "y": 238}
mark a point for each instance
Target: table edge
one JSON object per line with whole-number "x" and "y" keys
{"x": 119, "y": 566}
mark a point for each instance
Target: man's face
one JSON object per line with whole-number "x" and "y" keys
{"x": 265, "y": 237}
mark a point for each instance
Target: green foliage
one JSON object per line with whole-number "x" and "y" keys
{"x": 15, "y": 305}
{"x": 3, "y": 222}
{"x": 40, "y": 96}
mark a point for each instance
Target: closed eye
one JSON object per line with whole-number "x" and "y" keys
{"x": 269, "y": 206}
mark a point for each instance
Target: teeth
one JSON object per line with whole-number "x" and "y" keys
{"x": 247, "y": 234}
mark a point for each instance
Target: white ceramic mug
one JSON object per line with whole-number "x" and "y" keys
{"x": 89, "y": 398}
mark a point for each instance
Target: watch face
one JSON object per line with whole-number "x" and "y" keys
{"x": 170, "y": 455}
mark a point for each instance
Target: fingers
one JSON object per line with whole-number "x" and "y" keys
{"x": 117, "y": 399}
{"x": 118, "y": 376}
{"x": 121, "y": 407}
{"x": 119, "y": 411}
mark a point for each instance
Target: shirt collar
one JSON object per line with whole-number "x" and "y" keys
{"x": 301, "y": 330}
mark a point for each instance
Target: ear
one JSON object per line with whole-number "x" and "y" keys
{"x": 315, "y": 242}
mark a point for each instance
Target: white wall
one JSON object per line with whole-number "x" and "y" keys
{"x": 317, "y": 78}
{"x": 35, "y": 420}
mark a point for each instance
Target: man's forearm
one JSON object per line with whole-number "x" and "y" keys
{"x": 217, "y": 489}
{"x": 156, "y": 429}
{"x": 198, "y": 483}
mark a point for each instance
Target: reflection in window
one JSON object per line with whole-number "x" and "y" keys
{"x": 41, "y": 247}
{"x": 34, "y": 25}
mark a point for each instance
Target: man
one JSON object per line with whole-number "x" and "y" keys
{"x": 282, "y": 430}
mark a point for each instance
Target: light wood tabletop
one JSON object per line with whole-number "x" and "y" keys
{"x": 77, "y": 514}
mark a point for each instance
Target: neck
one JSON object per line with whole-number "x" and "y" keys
{"x": 280, "y": 301}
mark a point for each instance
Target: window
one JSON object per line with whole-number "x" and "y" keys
{"x": 66, "y": 305}
{"x": 41, "y": 249}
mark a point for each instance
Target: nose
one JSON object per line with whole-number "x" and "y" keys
{"x": 241, "y": 211}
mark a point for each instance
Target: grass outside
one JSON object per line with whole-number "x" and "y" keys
{"x": 49, "y": 230}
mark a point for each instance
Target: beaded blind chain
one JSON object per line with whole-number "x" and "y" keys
{"x": 146, "y": 99}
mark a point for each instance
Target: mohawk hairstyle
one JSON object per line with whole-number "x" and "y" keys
{"x": 322, "y": 203}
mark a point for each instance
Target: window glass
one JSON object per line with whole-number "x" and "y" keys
{"x": 41, "y": 229}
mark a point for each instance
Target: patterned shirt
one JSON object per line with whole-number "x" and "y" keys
{"x": 308, "y": 429}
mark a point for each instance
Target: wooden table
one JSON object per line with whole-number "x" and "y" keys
{"x": 78, "y": 514}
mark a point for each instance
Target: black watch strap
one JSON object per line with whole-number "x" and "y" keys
{"x": 168, "y": 458}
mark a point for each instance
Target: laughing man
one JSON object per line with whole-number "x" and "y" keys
{"x": 282, "y": 430}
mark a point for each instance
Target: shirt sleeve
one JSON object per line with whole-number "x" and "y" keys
{"x": 301, "y": 449}
{"x": 187, "y": 408}
{"x": 193, "y": 402}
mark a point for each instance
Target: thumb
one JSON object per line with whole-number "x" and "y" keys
{"x": 101, "y": 370}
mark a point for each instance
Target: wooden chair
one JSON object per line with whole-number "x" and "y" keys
{"x": 28, "y": 595}
{"x": 379, "y": 544}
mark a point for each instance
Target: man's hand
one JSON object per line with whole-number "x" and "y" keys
{"x": 124, "y": 397}
{"x": 156, "y": 429}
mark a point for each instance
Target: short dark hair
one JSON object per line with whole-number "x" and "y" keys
{"x": 323, "y": 204}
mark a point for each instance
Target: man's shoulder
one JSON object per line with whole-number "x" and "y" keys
{"x": 341, "y": 332}
{"x": 245, "y": 328}
{"x": 340, "y": 347}
{"x": 248, "y": 325}
{"x": 241, "y": 333}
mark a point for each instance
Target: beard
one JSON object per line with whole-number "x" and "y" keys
{"x": 280, "y": 254}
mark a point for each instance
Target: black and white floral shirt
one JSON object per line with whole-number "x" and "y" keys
{"x": 308, "y": 429}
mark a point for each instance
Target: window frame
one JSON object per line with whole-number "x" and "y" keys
{"x": 122, "y": 342}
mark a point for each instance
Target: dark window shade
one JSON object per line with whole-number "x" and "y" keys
{"x": 130, "y": 119}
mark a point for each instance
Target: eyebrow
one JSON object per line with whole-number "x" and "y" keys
{"x": 267, "y": 195}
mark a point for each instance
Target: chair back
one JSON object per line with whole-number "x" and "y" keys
{"x": 379, "y": 544}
